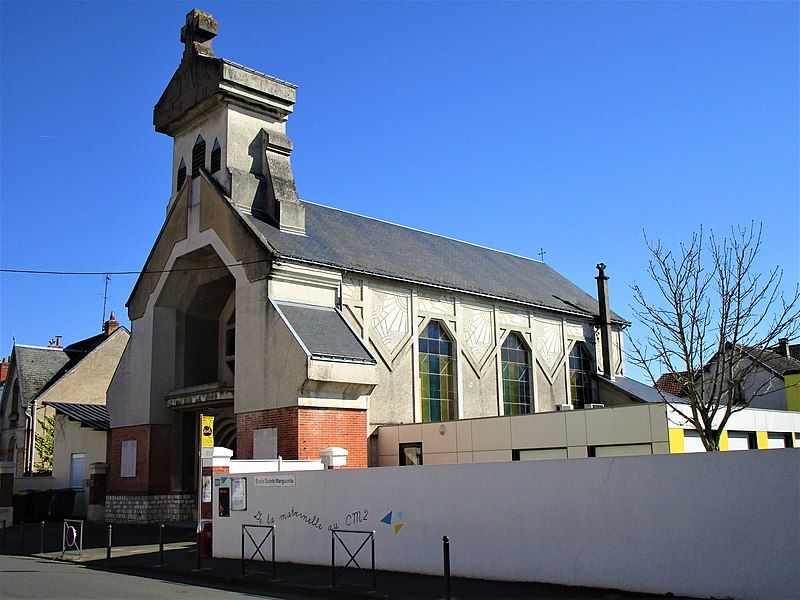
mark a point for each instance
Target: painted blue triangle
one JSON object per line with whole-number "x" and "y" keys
{"x": 387, "y": 519}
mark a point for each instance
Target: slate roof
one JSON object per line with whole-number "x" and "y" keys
{"x": 778, "y": 363}
{"x": 36, "y": 367}
{"x": 364, "y": 245}
{"x": 641, "y": 390}
{"x": 88, "y": 415}
{"x": 324, "y": 332}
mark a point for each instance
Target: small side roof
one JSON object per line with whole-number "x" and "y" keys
{"x": 323, "y": 332}
{"x": 88, "y": 415}
{"x": 641, "y": 391}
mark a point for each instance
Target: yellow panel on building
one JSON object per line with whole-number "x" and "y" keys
{"x": 792, "y": 383}
{"x": 676, "y": 443}
{"x": 762, "y": 440}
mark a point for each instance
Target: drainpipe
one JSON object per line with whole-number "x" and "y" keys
{"x": 603, "y": 322}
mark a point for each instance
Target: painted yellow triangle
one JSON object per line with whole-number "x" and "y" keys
{"x": 397, "y": 528}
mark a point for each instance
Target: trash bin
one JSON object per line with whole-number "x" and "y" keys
{"x": 205, "y": 538}
{"x": 63, "y": 503}
{"x": 41, "y": 503}
{"x": 22, "y": 506}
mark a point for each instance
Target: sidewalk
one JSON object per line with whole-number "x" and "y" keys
{"x": 135, "y": 551}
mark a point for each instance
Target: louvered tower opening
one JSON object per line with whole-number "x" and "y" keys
{"x": 198, "y": 155}
{"x": 181, "y": 176}
{"x": 216, "y": 157}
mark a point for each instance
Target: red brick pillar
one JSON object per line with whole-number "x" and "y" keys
{"x": 6, "y": 490}
{"x": 96, "y": 510}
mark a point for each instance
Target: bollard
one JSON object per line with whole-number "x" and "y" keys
{"x": 108, "y": 547}
{"x": 22, "y": 535}
{"x": 374, "y": 583}
{"x": 161, "y": 545}
{"x": 446, "y": 556}
{"x": 199, "y": 537}
{"x": 4, "y": 534}
{"x": 41, "y": 538}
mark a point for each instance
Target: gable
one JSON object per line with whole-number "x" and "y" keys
{"x": 88, "y": 380}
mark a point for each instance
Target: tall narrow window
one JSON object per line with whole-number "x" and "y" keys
{"x": 230, "y": 343}
{"x": 198, "y": 155}
{"x": 181, "y": 176}
{"x": 216, "y": 157}
{"x": 517, "y": 394}
{"x": 437, "y": 374}
{"x": 580, "y": 373}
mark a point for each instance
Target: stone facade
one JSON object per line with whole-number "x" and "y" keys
{"x": 154, "y": 508}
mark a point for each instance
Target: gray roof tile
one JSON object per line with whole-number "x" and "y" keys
{"x": 361, "y": 244}
{"x": 324, "y": 332}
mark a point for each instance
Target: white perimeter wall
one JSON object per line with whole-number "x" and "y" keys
{"x": 721, "y": 524}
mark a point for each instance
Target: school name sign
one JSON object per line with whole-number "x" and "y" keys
{"x": 274, "y": 480}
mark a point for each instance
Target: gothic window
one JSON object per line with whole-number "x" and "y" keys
{"x": 516, "y": 366}
{"x": 216, "y": 157}
{"x": 181, "y": 176}
{"x": 437, "y": 374}
{"x": 580, "y": 373}
{"x": 198, "y": 155}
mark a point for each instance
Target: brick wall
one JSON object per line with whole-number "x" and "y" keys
{"x": 283, "y": 419}
{"x": 303, "y": 432}
{"x": 321, "y": 428}
{"x": 153, "y": 451}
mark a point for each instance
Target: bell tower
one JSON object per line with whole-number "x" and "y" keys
{"x": 229, "y": 123}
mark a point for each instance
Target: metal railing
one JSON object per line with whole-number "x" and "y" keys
{"x": 369, "y": 536}
{"x": 269, "y": 535}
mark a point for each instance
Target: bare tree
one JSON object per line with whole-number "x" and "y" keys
{"x": 711, "y": 324}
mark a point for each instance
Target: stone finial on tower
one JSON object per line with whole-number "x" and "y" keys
{"x": 198, "y": 32}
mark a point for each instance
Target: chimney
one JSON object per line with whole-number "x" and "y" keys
{"x": 55, "y": 342}
{"x": 3, "y": 370}
{"x": 783, "y": 347}
{"x": 603, "y": 321}
{"x": 111, "y": 325}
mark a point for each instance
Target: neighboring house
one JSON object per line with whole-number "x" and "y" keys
{"x": 40, "y": 378}
{"x": 773, "y": 380}
{"x": 80, "y": 440}
{"x": 302, "y": 327}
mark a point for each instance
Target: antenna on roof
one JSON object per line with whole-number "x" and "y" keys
{"x": 107, "y": 278}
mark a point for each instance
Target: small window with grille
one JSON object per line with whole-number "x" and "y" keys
{"x": 198, "y": 155}
{"x": 181, "y": 176}
{"x": 216, "y": 157}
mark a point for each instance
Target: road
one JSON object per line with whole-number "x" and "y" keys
{"x": 25, "y": 577}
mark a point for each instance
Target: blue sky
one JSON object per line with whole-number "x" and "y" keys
{"x": 572, "y": 127}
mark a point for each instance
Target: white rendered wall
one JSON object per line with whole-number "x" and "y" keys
{"x": 669, "y": 523}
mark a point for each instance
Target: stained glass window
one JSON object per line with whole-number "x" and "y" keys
{"x": 580, "y": 372}
{"x": 437, "y": 374}
{"x": 517, "y": 393}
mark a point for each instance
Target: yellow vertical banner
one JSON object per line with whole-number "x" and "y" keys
{"x": 207, "y": 432}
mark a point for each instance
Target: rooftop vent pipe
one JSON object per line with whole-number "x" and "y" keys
{"x": 603, "y": 321}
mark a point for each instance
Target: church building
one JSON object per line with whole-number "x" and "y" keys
{"x": 302, "y": 327}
